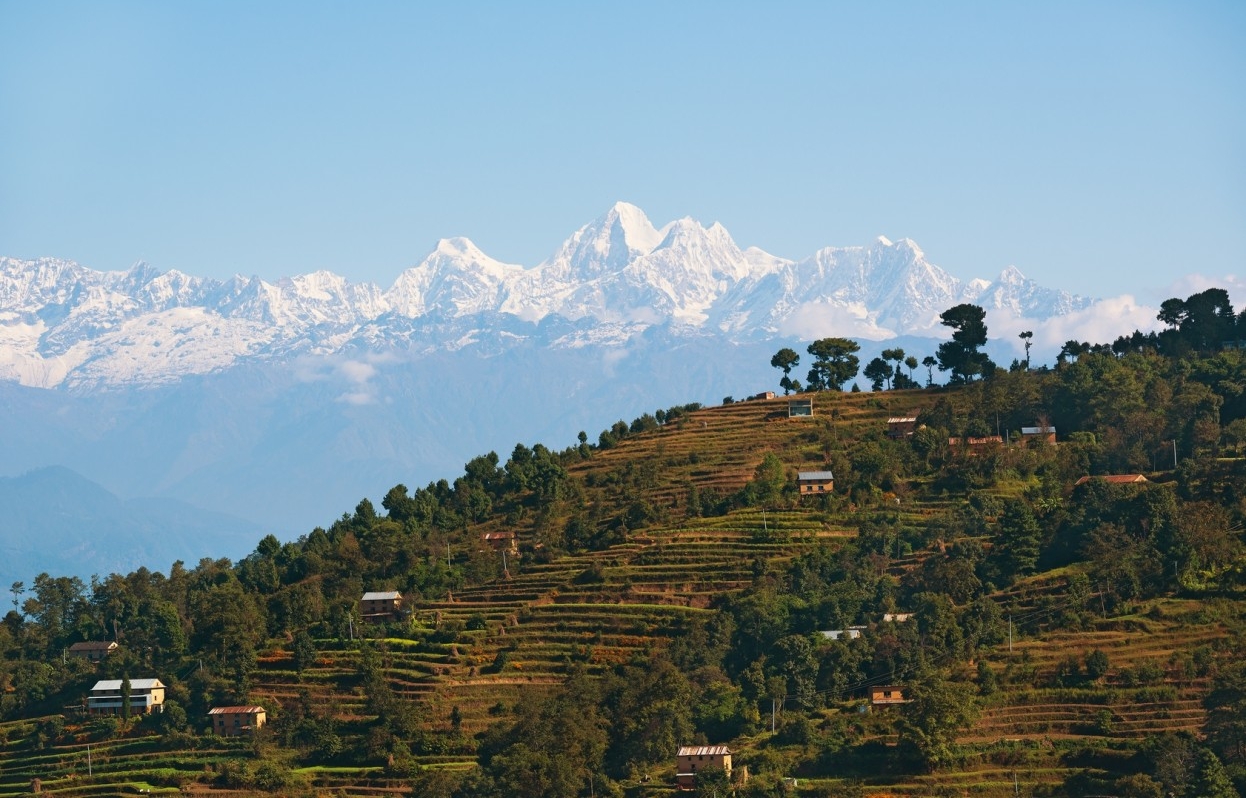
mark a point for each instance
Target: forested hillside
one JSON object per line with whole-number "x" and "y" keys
{"x": 669, "y": 585}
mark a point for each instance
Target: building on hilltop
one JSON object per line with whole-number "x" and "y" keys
{"x": 381, "y": 606}
{"x": 693, "y": 759}
{"x": 236, "y": 721}
{"x": 93, "y": 650}
{"x": 146, "y": 696}
{"x": 901, "y": 426}
{"x": 815, "y": 482}
{"x": 799, "y": 408}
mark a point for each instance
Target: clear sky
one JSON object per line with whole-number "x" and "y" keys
{"x": 1099, "y": 147}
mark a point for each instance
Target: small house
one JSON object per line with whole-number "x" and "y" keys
{"x": 1032, "y": 434}
{"x": 500, "y": 541}
{"x": 93, "y": 650}
{"x": 762, "y": 395}
{"x": 896, "y": 617}
{"x": 799, "y": 408}
{"x": 901, "y": 426}
{"x": 381, "y": 606}
{"x": 851, "y": 633}
{"x": 815, "y": 482}
{"x": 146, "y": 696}
{"x": 974, "y": 445}
{"x": 883, "y": 695}
{"x": 1116, "y": 479}
{"x": 236, "y": 721}
{"x": 693, "y": 759}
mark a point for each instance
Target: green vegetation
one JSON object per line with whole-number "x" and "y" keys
{"x": 670, "y": 586}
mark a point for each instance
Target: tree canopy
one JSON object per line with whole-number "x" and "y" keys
{"x": 961, "y": 355}
{"x": 834, "y": 363}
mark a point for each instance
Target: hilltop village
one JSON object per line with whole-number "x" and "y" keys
{"x": 1028, "y": 581}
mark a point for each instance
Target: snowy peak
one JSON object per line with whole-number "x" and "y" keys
{"x": 615, "y": 277}
{"x": 604, "y": 246}
{"x": 1020, "y": 296}
{"x": 456, "y": 278}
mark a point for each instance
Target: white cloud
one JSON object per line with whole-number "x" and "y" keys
{"x": 813, "y": 320}
{"x": 612, "y": 358}
{"x": 356, "y": 371}
{"x": 1196, "y": 283}
{"x": 1101, "y": 323}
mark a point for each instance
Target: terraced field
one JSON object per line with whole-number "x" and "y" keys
{"x": 469, "y": 657}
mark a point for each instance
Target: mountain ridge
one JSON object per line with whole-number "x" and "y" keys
{"x": 64, "y": 325}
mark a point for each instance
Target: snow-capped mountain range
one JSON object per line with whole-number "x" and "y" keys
{"x": 64, "y": 325}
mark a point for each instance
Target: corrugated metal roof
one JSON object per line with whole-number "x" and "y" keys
{"x": 815, "y": 475}
{"x": 135, "y": 684}
{"x": 1037, "y": 430}
{"x": 902, "y": 420}
{"x": 1116, "y": 479}
{"x": 236, "y": 710}
{"x": 703, "y": 750}
{"x": 92, "y": 645}
{"x": 388, "y": 595}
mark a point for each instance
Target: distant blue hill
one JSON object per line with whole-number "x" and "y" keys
{"x": 55, "y": 520}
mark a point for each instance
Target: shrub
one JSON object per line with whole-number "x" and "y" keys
{"x": 1096, "y": 664}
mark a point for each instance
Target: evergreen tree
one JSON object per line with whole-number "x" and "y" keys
{"x": 1019, "y": 541}
{"x": 126, "y": 692}
{"x": 785, "y": 359}
{"x": 834, "y": 363}
{"x": 1210, "y": 779}
{"x": 960, "y": 355}
{"x": 877, "y": 371}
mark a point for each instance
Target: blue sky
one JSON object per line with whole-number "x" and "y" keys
{"x": 1098, "y": 147}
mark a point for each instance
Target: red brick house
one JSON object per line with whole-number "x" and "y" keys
{"x": 236, "y": 721}
{"x": 901, "y": 426}
{"x": 1044, "y": 434}
{"x": 693, "y": 759}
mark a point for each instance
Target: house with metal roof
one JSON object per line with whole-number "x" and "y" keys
{"x": 237, "y": 721}
{"x": 381, "y": 605}
{"x": 146, "y": 696}
{"x": 693, "y": 759}
{"x": 93, "y": 650}
{"x": 815, "y": 482}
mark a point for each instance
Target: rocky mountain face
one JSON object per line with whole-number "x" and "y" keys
{"x": 64, "y": 325}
